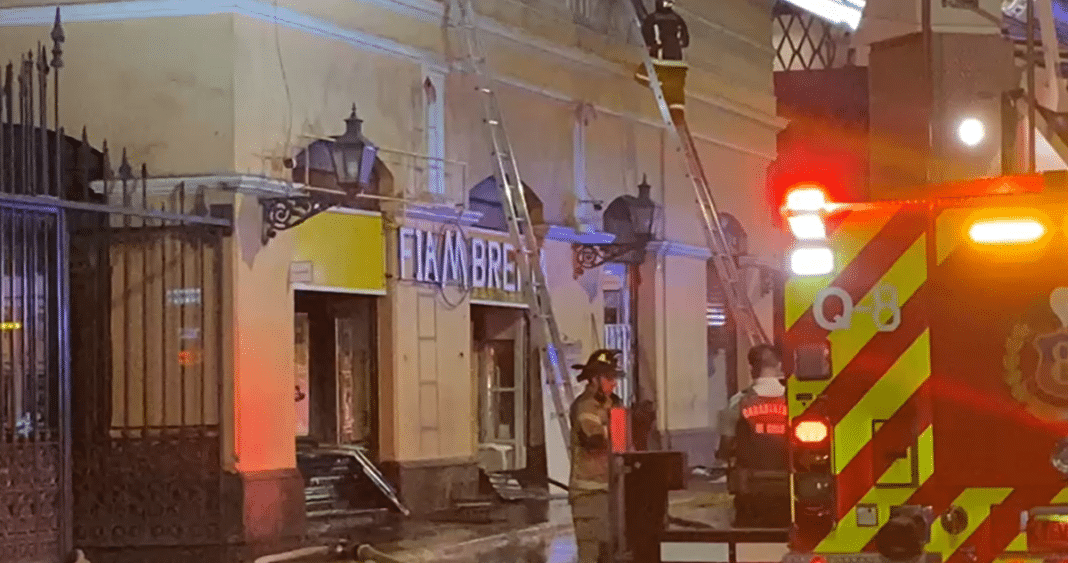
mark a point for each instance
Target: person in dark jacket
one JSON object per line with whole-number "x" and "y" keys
{"x": 666, "y": 36}
{"x": 753, "y": 440}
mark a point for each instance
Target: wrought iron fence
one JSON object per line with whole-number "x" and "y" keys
{"x": 147, "y": 326}
{"x": 111, "y": 334}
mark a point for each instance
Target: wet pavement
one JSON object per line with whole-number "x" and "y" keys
{"x": 550, "y": 542}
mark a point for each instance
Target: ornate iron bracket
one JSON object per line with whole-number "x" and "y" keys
{"x": 283, "y": 213}
{"x": 590, "y": 256}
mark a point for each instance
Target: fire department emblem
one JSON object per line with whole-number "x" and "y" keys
{"x": 1036, "y": 358}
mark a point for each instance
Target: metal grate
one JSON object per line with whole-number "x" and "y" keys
{"x": 805, "y": 42}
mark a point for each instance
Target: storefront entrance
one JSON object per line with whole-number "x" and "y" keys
{"x": 500, "y": 369}
{"x": 336, "y": 391}
{"x": 336, "y": 368}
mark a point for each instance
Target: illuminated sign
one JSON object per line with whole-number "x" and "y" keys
{"x": 765, "y": 409}
{"x": 10, "y": 325}
{"x": 450, "y": 258}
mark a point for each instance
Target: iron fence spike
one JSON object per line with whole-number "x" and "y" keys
{"x": 42, "y": 59}
{"x": 125, "y": 170}
{"x": 108, "y": 173}
{"x": 57, "y": 29}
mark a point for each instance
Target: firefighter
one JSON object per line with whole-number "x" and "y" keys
{"x": 590, "y": 447}
{"x": 753, "y": 441}
{"x": 666, "y": 35}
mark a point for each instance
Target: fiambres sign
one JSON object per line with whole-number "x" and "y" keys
{"x": 448, "y": 257}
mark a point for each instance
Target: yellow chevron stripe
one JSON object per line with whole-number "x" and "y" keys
{"x": 847, "y": 537}
{"x": 949, "y": 229}
{"x": 1019, "y": 543}
{"x": 1061, "y": 498}
{"x": 977, "y": 502}
{"x": 884, "y": 399}
{"x": 855, "y": 232}
{"x": 850, "y": 538}
{"x": 905, "y": 276}
{"x": 925, "y": 447}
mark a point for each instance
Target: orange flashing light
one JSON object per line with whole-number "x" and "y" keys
{"x": 1007, "y": 231}
{"x": 618, "y": 421}
{"x": 811, "y": 431}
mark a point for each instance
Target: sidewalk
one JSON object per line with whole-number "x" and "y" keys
{"x": 549, "y": 542}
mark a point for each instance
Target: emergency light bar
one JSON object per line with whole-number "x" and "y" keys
{"x": 839, "y": 12}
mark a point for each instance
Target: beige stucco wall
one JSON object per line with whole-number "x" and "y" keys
{"x": 170, "y": 108}
{"x": 323, "y": 78}
{"x": 264, "y": 410}
{"x": 220, "y": 99}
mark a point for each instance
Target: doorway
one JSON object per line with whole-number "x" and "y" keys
{"x": 336, "y": 357}
{"x": 500, "y": 371}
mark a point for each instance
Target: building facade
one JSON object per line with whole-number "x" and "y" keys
{"x": 395, "y": 326}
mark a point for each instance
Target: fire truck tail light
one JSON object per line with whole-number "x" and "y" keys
{"x": 806, "y": 197}
{"x": 807, "y": 226}
{"x": 811, "y": 431}
{"x": 812, "y": 261}
{"x": 1006, "y": 231}
{"x": 817, "y": 559}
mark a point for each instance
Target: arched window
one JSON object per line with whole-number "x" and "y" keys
{"x": 321, "y": 174}
{"x": 485, "y": 198}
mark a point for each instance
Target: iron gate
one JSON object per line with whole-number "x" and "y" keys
{"x": 31, "y": 391}
{"x": 111, "y": 338}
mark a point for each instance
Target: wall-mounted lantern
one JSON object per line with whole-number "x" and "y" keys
{"x": 630, "y": 219}
{"x": 352, "y": 157}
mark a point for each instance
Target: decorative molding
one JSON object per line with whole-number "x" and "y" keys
{"x": 441, "y": 214}
{"x": 675, "y": 248}
{"x": 561, "y": 233}
{"x": 241, "y": 183}
{"x": 425, "y": 10}
{"x": 634, "y": 117}
{"x": 256, "y": 9}
{"x": 694, "y": 16}
{"x": 312, "y": 287}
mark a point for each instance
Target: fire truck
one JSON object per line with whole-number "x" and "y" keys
{"x": 926, "y": 343}
{"x": 927, "y": 346}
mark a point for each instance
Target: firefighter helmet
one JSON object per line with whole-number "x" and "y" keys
{"x": 603, "y": 362}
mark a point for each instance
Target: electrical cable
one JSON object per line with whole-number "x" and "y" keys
{"x": 465, "y": 283}
{"x": 285, "y": 84}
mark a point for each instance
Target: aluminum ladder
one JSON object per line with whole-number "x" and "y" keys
{"x": 545, "y": 333}
{"x": 730, "y": 278}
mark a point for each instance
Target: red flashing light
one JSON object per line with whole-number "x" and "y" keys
{"x": 818, "y": 559}
{"x": 807, "y": 197}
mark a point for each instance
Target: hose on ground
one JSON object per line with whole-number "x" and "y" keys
{"x": 364, "y": 552}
